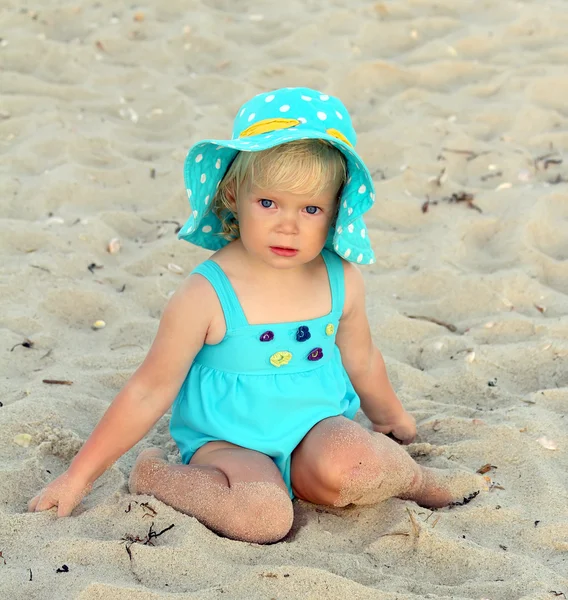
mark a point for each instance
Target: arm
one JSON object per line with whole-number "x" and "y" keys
{"x": 365, "y": 364}
{"x": 146, "y": 396}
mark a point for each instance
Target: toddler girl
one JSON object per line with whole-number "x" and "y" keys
{"x": 265, "y": 351}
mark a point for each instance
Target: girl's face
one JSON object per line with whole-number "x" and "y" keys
{"x": 284, "y": 229}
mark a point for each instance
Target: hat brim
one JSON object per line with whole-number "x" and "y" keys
{"x": 208, "y": 160}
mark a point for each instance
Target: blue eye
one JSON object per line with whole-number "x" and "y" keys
{"x": 312, "y": 210}
{"x": 266, "y": 203}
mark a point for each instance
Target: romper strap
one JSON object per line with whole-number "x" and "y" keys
{"x": 234, "y": 316}
{"x": 336, "y": 277}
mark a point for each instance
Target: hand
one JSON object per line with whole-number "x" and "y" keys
{"x": 402, "y": 429}
{"x": 65, "y": 492}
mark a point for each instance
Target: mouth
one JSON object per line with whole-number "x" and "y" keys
{"x": 283, "y": 251}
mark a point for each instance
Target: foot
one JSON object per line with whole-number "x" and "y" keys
{"x": 146, "y": 463}
{"x": 440, "y": 488}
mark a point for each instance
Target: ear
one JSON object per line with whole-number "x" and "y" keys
{"x": 231, "y": 197}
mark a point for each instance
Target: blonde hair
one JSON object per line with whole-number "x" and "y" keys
{"x": 302, "y": 167}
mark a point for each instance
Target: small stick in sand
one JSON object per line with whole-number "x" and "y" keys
{"x": 94, "y": 266}
{"x": 26, "y": 344}
{"x": 469, "y": 153}
{"x": 544, "y": 161}
{"x": 57, "y": 381}
{"x": 448, "y": 326}
{"x": 403, "y": 533}
{"x": 414, "y": 523}
{"x": 151, "y": 535}
{"x": 151, "y": 513}
{"x": 491, "y": 175}
{"x": 485, "y": 469}
{"x": 463, "y": 197}
{"x": 439, "y": 178}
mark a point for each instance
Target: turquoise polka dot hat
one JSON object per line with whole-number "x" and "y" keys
{"x": 268, "y": 120}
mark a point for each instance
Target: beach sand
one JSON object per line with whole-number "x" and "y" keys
{"x": 461, "y": 109}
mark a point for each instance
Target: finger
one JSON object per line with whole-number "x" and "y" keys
{"x": 65, "y": 508}
{"x": 382, "y": 429}
{"x": 33, "y": 503}
{"x": 408, "y": 439}
{"x": 45, "y": 503}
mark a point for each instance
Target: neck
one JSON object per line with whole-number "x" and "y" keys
{"x": 261, "y": 271}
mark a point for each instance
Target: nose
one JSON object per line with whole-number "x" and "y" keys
{"x": 288, "y": 223}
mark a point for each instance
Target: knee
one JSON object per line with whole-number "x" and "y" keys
{"x": 344, "y": 477}
{"x": 350, "y": 477}
{"x": 263, "y": 513}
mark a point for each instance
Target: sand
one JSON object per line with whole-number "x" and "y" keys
{"x": 99, "y": 105}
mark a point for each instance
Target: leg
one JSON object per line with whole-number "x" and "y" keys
{"x": 340, "y": 463}
{"x": 236, "y": 492}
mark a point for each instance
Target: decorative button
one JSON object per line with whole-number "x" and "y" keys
{"x": 267, "y": 336}
{"x": 303, "y": 334}
{"x": 315, "y": 354}
{"x": 281, "y": 358}
{"x": 329, "y": 329}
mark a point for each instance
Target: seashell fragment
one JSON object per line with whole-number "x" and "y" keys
{"x": 23, "y": 439}
{"x": 99, "y": 324}
{"x": 546, "y": 443}
{"x": 114, "y": 246}
{"x": 175, "y": 268}
{"x": 470, "y": 357}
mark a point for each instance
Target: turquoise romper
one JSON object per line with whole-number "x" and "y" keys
{"x": 263, "y": 387}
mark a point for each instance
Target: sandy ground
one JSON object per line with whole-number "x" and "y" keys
{"x": 462, "y": 112}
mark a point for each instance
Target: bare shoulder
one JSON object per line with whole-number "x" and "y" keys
{"x": 181, "y": 335}
{"x": 189, "y": 311}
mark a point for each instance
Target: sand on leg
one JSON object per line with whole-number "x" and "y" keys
{"x": 236, "y": 492}
{"x": 339, "y": 463}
